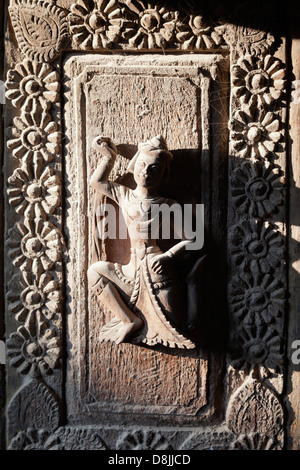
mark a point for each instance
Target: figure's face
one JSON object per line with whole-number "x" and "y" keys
{"x": 149, "y": 170}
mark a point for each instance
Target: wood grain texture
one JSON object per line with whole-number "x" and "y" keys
{"x": 130, "y": 102}
{"x": 294, "y": 240}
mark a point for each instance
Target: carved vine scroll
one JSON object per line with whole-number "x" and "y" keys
{"x": 43, "y": 30}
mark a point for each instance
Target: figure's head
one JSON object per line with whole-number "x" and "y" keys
{"x": 150, "y": 165}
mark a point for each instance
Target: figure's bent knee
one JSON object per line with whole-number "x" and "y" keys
{"x": 93, "y": 276}
{"x": 96, "y": 280}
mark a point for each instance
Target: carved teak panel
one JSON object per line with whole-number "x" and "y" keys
{"x": 215, "y": 92}
{"x": 174, "y": 93}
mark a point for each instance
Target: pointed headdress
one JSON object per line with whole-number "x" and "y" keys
{"x": 157, "y": 145}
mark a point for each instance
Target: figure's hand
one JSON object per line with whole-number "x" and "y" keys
{"x": 105, "y": 147}
{"x": 159, "y": 263}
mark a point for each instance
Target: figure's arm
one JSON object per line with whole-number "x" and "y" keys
{"x": 183, "y": 229}
{"x": 180, "y": 247}
{"x": 108, "y": 152}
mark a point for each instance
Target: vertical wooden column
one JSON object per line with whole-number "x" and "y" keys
{"x": 2, "y": 366}
{"x": 293, "y": 391}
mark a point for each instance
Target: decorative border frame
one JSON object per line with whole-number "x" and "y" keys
{"x": 43, "y": 30}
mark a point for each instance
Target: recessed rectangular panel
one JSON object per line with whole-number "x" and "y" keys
{"x": 130, "y": 101}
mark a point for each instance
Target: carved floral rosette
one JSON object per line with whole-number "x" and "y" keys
{"x": 35, "y": 242}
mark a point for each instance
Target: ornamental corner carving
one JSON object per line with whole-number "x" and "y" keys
{"x": 35, "y": 403}
{"x": 41, "y": 28}
{"x": 255, "y": 411}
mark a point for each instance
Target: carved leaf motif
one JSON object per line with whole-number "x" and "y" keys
{"x": 41, "y": 28}
{"x": 39, "y": 31}
{"x": 246, "y": 40}
{"x": 254, "y": 408}
{"x": 34, "y": 405}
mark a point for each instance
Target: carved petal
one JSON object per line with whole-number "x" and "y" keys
{"x": 275, "y": 136}
{"x": 78, "y": 9}
{"x": 263, "y": 150}
{"x": 273, "y": 126}
{"x": 11, "y": 94}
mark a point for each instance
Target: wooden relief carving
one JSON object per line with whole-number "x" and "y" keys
{"x": 139, "y": 25}
{"x": 38, "y": 189}
{"x": 35, "y": 402}
{"x": 91, "y": 82}
{"x": 41, "y": 28}
{"x": 256, "y": 416}
{"x": 257, "y": 189}
{"x": 148, "y": 282}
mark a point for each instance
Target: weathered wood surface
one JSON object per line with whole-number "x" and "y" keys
{"x": 51, "y": 319}
{"x": 293, "y": 380}
{"x": 125, "y": 99}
